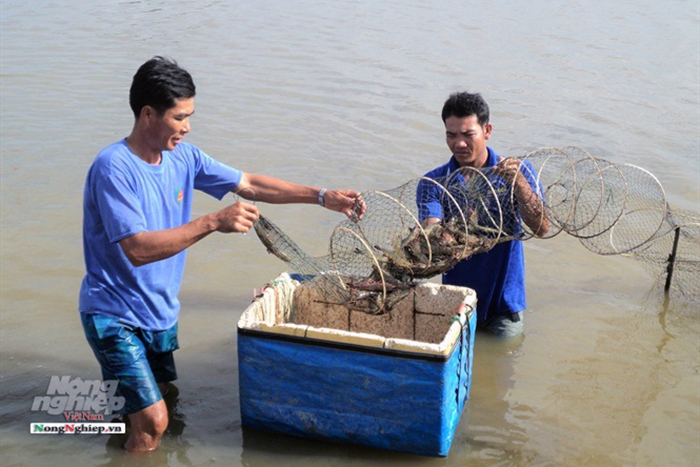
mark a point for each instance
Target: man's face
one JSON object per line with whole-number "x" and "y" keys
{"x": 467, "y": 140}
{"x": 168, "y": 130}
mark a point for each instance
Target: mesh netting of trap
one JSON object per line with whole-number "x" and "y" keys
{"x": 427, "y": 225}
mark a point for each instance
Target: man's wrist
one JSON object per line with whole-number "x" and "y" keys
{"x": 321, "y": 193}
{"x": 209, "y": 223}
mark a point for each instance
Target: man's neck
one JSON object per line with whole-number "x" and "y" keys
{"x": 484, "y": 159}
{"x": 138, "y": 144}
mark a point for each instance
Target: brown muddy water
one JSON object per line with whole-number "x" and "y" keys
{"x": 348, "y": 94}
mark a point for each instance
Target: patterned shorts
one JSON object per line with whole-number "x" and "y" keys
{"x": 136, "y": 358}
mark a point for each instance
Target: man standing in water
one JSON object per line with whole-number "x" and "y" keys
{"x": 136, "y": 228}
{"x": 498, "y": 275}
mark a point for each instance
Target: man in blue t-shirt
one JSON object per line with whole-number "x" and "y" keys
{"x": 137, "y": 227}
{"x": 497, "y": 275}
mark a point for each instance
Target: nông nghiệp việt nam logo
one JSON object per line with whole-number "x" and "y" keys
{"x": 78, "y": 399}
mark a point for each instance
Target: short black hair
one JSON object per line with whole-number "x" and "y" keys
{"x": 158, "y": 83}
{"x": 464, "y": 104}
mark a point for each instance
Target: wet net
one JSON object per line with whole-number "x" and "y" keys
{"x": 426, "y": 226}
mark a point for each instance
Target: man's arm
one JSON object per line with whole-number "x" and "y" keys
{"x": 276, "y": 191}
{"x": 530, "y": 204}
{"x": 150, "y": 246}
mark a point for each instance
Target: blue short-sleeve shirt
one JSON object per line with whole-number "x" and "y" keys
{"x": 123, "y": 196}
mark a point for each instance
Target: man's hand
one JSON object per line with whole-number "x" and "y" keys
{"x": 238, "y": 217}
{"x": 530, "y": 204}
{"x": 509, "y": 169}
{"x": 349, "y": 202}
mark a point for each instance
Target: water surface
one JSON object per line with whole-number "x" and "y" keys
{"x": 348, "y": 94}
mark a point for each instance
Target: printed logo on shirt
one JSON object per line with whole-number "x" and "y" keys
{"x": 179, "y": 195}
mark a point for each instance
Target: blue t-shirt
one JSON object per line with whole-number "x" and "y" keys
{"x": 498, "y": 275}
{"x": 124, "y": 196}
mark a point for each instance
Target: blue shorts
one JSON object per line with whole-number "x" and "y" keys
{"x": 136, "y": 358}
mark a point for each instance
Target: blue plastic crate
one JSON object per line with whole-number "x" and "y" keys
{"x": 304, "y": 382}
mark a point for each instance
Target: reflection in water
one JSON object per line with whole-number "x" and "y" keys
{"x": 615, "y": 391}
{"x": 495, "y": 430}
{"x": 662, "y": 322}
{"x": 260, "y": 448}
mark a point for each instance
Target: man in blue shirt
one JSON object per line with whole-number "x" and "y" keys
{"x": 497, "y": 275}
{"x": 137, "y": 227}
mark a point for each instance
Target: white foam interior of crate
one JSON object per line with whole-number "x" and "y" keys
{"x": 428, "y": 321}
